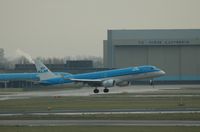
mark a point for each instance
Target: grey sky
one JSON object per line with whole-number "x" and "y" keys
{"x": 78, "y": 27}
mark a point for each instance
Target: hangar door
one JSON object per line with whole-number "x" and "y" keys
{"x": 126, "y": 56}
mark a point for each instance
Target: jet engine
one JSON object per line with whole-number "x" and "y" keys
{"x": 123, "y": 83}
{"x": 108, "y": 83}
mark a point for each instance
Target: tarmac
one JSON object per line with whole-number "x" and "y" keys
{"x": 102, "y": 111}
{"x": 98, "y": 123}
{"x": 153, "y": 91}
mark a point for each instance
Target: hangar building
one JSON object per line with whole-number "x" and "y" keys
{"x": 176, "y": 51}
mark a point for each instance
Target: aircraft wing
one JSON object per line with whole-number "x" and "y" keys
{"x": 85, "y": 80}
{"x": 91, "y": 82}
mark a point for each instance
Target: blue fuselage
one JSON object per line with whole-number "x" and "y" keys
{"x": 140, "y": 72}
{"x": 18, "y": 76}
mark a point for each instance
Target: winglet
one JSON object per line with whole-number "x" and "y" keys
{"x": 43, "y": 71}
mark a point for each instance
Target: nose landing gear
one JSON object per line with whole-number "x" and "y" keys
{"x": 151, "y": 83}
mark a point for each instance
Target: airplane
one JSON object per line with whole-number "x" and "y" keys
{"x": 106, "y": 79}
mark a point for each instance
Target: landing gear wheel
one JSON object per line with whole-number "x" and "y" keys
{"x": 151, "y": 82}
{"x": 96, "y": 90}
{"x": 106, "y": 90}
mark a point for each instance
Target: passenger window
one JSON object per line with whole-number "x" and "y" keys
{"x": 135, "y": 69}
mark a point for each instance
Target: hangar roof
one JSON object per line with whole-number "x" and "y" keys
{"x": 156, "y": 33}
{"x": 155, "y": 37}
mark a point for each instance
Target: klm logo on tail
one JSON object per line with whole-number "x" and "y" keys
{"x": 42, "y": 70}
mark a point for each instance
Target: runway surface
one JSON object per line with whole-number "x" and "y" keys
{"x": 102, "y": 111}
{"x": 98, "y": 123}
{"x": 170, "y": 90}
{"x": 85, "y": 91}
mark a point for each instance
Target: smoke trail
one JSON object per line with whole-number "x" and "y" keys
{"x": 27, "y": 56}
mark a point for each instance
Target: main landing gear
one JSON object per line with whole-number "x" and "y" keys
{"x": 96, "y": 90}
{"x": 105, "y": 90}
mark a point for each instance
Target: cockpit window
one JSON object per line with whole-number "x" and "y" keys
{"x": 154, "y": 68}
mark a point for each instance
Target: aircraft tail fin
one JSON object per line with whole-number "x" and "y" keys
{"x": 43, "y": 71}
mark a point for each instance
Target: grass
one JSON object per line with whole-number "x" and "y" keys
{"x": 96, "y": 129}
{"x": 101, "y": 102}
{"x": 97, "y": 102}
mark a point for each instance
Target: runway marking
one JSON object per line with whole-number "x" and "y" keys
{"x": 100, "y": 112}
{"x": 99, "y": 123}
